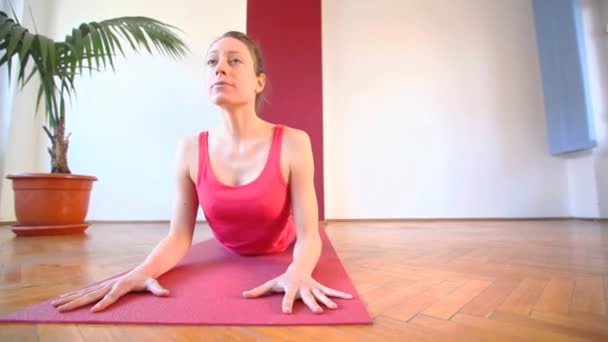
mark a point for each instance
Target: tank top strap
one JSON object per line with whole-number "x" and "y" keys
{"x": 203, "y": 154}
{"x": 275, "y": 148}
{"x": 277, "y": 136}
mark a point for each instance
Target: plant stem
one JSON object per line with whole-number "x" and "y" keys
{"x": 59, "y": 148}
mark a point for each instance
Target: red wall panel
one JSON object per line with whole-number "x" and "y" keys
{"x": 289, "y": 34}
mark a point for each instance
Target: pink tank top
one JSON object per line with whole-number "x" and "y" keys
{"x": 253, "y": 218}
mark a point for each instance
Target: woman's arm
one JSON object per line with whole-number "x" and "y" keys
{"x": 297, "y": 281}
{"x": 304, "y": 202}
{"x": 183, "y": 219}
{"x": 164, "y": 256}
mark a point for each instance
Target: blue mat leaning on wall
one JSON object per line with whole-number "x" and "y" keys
{"x": 562, "y": 56}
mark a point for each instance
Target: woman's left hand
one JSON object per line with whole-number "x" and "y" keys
{"x": 298, "y": 285}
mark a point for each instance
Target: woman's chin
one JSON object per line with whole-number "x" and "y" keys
{"x": 221, "y": 101}
{"x": 226, "y": 103}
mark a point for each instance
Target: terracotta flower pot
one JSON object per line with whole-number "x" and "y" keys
{"x": 51, "y": 203}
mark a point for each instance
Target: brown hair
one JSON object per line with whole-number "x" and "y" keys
{"x": 258, "y": 61}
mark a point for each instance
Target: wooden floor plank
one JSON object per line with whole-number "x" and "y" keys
{"x": 450, "y": 329}
{"x": 386, "y": 329}
{"x": 366, "y": 279}
{"x": 589, "y": 315}
{"x": 556, "y": 296}
{"x": 19, "y": 332}
{"x": 529, "y": 322}
{"x": 585, "y": 324}
{"x": 448, "y": 306}
{"x": 589, "y": 295}
{"x": 515, "y": 330}
{"x": 59, "y": 332}
{"x": 409, "y": 307}
{"x": 491, "y": 298}
{"x": 606, "y": 293}
{"x": 380, "y": 300}
{"x": 524, "y": 297}
{"x": 330, "y": 333}
{"x": 102, "y": 332}
{"x": 279, "y": 334}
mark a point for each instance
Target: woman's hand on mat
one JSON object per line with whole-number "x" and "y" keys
{"x": 109, "y": 291}
{"x": 297, "y": 285}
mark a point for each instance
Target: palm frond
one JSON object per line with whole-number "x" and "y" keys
{"x": 90, "y": 47}
{"x": 100, "y": 39}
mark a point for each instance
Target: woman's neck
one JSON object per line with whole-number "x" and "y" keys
{"x": 241, "y": 124}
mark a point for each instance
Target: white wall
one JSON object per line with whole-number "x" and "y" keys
{"x": 602, "y": 162}
{"x": 588, "y": 170}
{"x": 601, "y": 104}
{"x": 434, "y": 108}
{"x": 125, "y": 126}
{"x": 7, "y": 90}
{"x": 20, "y": 131}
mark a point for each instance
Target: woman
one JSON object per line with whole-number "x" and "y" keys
{"x": 254, "y": 181}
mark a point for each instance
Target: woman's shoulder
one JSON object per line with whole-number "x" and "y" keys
{"x": 187, "y": 148}
{"x": 185, "y": 157}
{"x": 296, "y": 143}
{"x": 188, "y": 142}
{"x": 295, "y": 137}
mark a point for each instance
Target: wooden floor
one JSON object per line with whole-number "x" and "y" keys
{"x": 462, "y": 281}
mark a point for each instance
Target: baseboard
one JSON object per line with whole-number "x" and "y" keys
{"x": 371, "y": 220}
{"x": 460, "y": 219}
{"x": 136, "y": 221}
{"x": 598, "y": 219}
{"x": 9, "y": 223}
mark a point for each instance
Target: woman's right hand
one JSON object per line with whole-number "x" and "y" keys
{"x": 109, "y": 291}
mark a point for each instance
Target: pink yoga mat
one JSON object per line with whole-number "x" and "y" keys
{"x": 206, "y": 289}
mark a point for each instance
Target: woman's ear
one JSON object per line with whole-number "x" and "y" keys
{"x": 261, "y": 83}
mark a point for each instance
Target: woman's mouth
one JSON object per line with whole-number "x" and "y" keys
{"x": 221, "y": 84}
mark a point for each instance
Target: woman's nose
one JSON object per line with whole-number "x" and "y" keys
{"x": 220, "y": 67}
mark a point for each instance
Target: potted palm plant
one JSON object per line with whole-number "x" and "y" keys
{"x": 57, "y": 202}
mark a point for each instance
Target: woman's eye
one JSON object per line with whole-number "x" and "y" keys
{"x": 211, "y": 62}
{"x": 235, "y": 60}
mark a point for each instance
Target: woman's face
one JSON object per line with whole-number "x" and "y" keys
{"x": 231, "y": 78}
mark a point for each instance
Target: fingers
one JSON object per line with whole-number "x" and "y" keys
{"x": 84, "y": 299}
{"x": 288, "y": 299}
{"x": 260, "y": 290}
{"x": 68, "y": 297}
{"x": 117, "y": 291}
{"x": 64, "y": 298}
{"x": 334, "y": 293}
{"x": 310, "y": 301}
{"x": 108, "y": 292}
{"x": 153, "y": 286}
{"x": 323, "y": 298}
